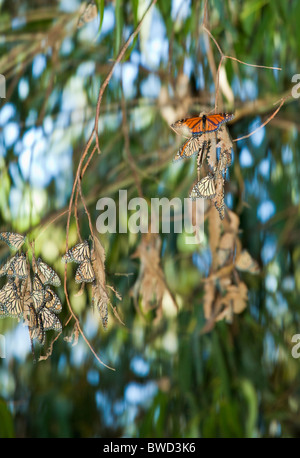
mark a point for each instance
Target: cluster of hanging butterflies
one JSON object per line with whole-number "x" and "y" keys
{"x": 32, "y": 299}
{"x": 205, "y": 136}
{"x": 81, "y": 254}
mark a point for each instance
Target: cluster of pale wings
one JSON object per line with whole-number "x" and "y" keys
{"x": 28, "y": 290}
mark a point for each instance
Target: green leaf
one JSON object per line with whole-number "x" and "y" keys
{"x": 119, "y": 25}
{"x": 252, "y": 7}
{"x": 100, "y": 7}
{"x": 135, "y": 4}
{"x": 6, "y": 422}
{"x": 249, "y": 393}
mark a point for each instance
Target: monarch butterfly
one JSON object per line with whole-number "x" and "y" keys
{"x": 18, "y": 267}
{"x": 78, "y": 253}
{"x": 189, "y": 148}
{"x": 35, "y": 325}
{"x": 36, "y": 329}
{"x": 37, "y": 285}
{"x": 12, "y": 304}
{"x": 49, "y": 320}
{"x": 204, "y": 188}
{"x": 3, "y": 269}
{"x": 13, "y": 240}
{"x": 38, "y": 296}
{"x": 85, "y": 272}
{"x": 52, "y": 301}
{"x": 42, "y": 321}
{"x": 14, "y": 308}
{"x": 50, "y": 276}
{"x": 6, "y": 293}
{"x": 15, "y": 267}
{"x": 200, "y": 124}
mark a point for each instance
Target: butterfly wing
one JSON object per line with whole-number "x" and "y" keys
{"x": 85, "y": 272}
{"x": 49, "y": 320}
{"x": 6, "y": 295}
{"x": 13, "y": 240}
{"x": 35, "y": 326}
{"x": 49, "y": 275}
{"x": 18, "y": 267}
{"x": 14, "y": 303}
{"x": 198, "y": 125}
{"x": 204, "y": 188}
{"x": 189, "y": 148}
{"x": 4, "y": 268}
{"x": 52, "y": 301}
{"x": 2, "y": 311}
{"x": 213, "y": 122}
{"x": 38, "y": 293}
{"x": 190, "y": 126}
{"x": 37, "y": 285}
{"x": 37, "y": 297}
{"x": 78, "y": 253}
{"x": 38, "y": 331}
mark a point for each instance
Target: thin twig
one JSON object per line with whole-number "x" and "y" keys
{"x": 252, "y": 65}
{"x": 118, "y": 59}
{"x": 264, "y": 123}
{"x": 223, "y": 56}
{"x": 80, "y": 172}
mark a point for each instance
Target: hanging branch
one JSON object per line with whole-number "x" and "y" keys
{"x": 81, "y": 170}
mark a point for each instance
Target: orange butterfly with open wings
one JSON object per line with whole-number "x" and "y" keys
{"x": 201, "y": 124}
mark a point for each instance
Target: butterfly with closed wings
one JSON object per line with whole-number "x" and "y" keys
{"x": 11, "y": 300}
{"x": 47, "y": 275}
{"x": 204, "y": 188}
{"x": 13, "y": 240}
{"x": 15, "y": 267}
{"x": 85, "y": 272}
{"x": 78, "y": 253}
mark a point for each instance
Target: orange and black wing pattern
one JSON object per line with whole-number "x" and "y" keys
{"x": 200, "y": 125}
{"x": 189, "y": 148}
